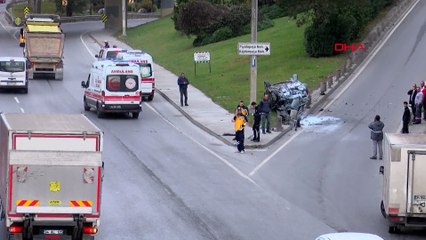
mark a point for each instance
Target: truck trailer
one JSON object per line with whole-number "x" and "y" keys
{"x": 51, "y": 176}
{"x": 404, "y": 181}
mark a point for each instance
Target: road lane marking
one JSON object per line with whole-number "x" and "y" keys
{"x": 204, "y": 147}
{"x": 353, "y": 78}
{"x": 274, "y": 153}
{"x": 16, "y": 99}
{"x": 85, "y": 45}
{"x": 22, "y": 110}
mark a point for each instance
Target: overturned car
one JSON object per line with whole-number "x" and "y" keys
{"x": 288, "y": 98}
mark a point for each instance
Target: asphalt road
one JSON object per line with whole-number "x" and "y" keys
{"x": 166, "y": 179}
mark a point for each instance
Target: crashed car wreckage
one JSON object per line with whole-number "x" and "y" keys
{"x": 288, "y": 98}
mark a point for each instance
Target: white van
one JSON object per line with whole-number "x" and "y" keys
{"x": 146, "y": 64}
{"x": 113, "y": 87}
{"x": 108, "y": 53}
{"x": 13, "y": 73}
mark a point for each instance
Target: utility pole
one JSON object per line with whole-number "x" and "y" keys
{"x": 253, "y": 62}
{"x": 124, "y": 13}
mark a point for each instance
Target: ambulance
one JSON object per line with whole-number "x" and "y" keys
{"x": 113, "y": 87}
{"x": 146, "y": 64}
{"x": 13, "y": 73}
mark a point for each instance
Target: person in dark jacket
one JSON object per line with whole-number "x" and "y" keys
{"x": 377, "y": 136}
{"x": 183, "y": 88}
{"x": 406, "y": 118}
{"x": 256, "y": 123}
{"x": 264, "y": 110}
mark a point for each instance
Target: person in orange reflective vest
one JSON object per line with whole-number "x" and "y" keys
{"x": 239, "y": 124}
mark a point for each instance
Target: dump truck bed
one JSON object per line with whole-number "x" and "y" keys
{"x": 44, "y": 47}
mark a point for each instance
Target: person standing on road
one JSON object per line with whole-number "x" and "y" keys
{"x": 406, "y": 117}
{"x": 412, "y": 93}
{"x": 256, "y": 122}
{"x": 377, "y": 136}
{"x": 239, "y": 124}
{"x": 183, "y": 89}
{"x": 265, "y": 109}
{"x": 422, "y": 83}
{"x": 418, "y": 107}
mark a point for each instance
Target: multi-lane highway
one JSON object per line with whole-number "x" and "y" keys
{"x": 166, "y": 179}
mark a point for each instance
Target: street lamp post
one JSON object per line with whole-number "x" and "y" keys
{"x": 253, "y": 62}
{"x": 124, "y": 13}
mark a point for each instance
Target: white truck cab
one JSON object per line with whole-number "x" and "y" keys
{"x": 13, "y": 73}
{"x": 113, "y": 87}
{"x": 146, "y": 64}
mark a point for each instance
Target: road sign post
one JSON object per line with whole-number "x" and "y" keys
{"x": 253, "y": 49}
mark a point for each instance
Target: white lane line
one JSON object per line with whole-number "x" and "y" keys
{"x": 85, "y": 45}
{"x": 16, "y": 99}
{"x": 274, "y": 153}
{"x": 22, "y": 110}
{"x": 205, "y": 148}
{"x": 365, "y": 64}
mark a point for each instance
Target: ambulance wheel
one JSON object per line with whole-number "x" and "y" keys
{"x": 135, "y": 115}
{"x": 382, "y": 209}
{"x": 86, "y": 107}
{"x": 150, "y": 97}
{"x": 98, "y": 112}
{"x": 394, "y": 229}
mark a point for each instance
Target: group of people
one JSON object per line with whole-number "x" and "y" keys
{"x": 261, "y": 119}
{"x": 412, "y": 114}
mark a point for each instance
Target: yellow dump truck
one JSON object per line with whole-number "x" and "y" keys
{"x": 43, "y": 42}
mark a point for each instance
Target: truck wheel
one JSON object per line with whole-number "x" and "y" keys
{"x": 135, "y": 115}
{"x": 86, "y": 107}
{"x": 382, "y": 209}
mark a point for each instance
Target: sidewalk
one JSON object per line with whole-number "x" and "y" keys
{"x": 202, "y": 111}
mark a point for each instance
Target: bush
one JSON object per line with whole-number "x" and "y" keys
{"x": 273, "y": 11}
{"x": 147, "y": 5}
{"x": 236, "y": 18}
{"x": 319, "y": 41}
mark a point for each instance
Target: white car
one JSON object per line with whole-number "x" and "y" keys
{"x": 349, "y": 236}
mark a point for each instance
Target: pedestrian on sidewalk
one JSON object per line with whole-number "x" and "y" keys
{"x": 239, "y": 124}
{"x": 412, "y": 93}
{"x": 244, "y": 110}
{"x": 418, "y": 107}
{"x": 406, "y": 117}
{"x": 265, "y": 109}
{"x": 183, "y": 89}
{"x": 106, "y": 44}
{"x": 256, "y": 122}
{"x": 377, "y": 136}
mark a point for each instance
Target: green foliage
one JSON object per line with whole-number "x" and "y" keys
{"x": 229, "y": 80}
{"x": 332, "y": 21}
{"x": 236, "y": 17}
{"x": 272, "y": 11}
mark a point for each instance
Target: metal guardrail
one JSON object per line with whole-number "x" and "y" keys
{"x": 84, "y": 18}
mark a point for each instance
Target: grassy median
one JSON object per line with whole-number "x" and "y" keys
{"x": 229, "y": 80}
